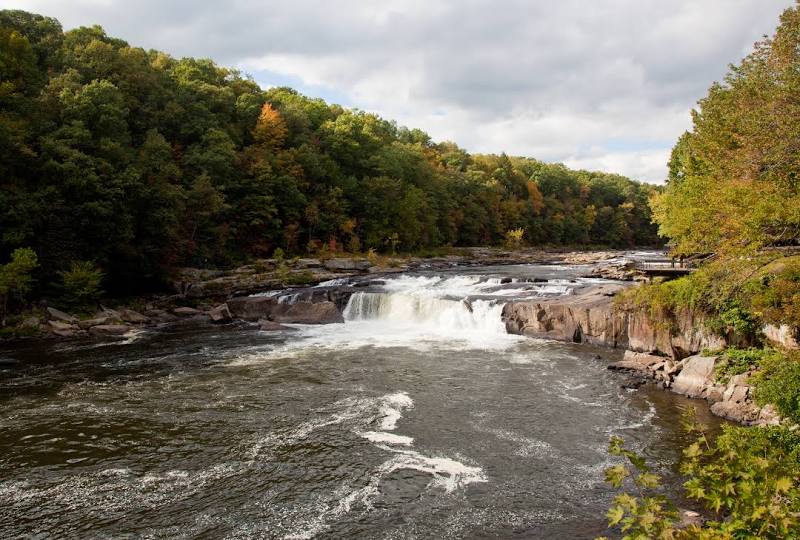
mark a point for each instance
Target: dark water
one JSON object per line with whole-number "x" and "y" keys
{"x": 413, "y": 420}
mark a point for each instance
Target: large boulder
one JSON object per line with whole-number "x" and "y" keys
{"x": 131, "y": 316}
{"x": 88, "y": 323}
{"x": 307, "y": 313}
{"x": 109, "y": 329}
{"x": 696, "y": 376}
{"x": 220, "y": 314}
{"x": 272, "y": 326}
{"x": 639, "y": 362}
{"x": 186, "y": 311}
{"x": 63, "y": 329}
{"x": 744, "y": 412}
{"x": 59, "y": 315}
{"x": 160, "y": 315}
{"x": 251, "y": 308}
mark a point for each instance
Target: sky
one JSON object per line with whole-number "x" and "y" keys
{"x": 595, "y": 84}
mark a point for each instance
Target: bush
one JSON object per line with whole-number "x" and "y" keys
{"x": 735, "y": 361}
{"x": 777, "y": 296}
{"x": 734, "y": 318}
{"x": 514, "y": 238}
{"x": 748, "y": 479}
{"x": 16, "y": 278}
{"x": 81, "y": 284}
{"x": 778, "y": 383}
{"x": 300, "y": 278}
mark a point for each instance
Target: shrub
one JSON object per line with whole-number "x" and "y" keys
{"x": 300, "y": 278}
{"x": 734, "y": 318}
{"x": 82, "y": 284}
{"x": 278, "y": 254}
{"x": 372, "y": 257}
{"x": 777, "y": 296}
{"x": 778, "y": 383}
{"x": 514, "y": 238}
{"x": 354, "y": 244}
{"x": 16, "y": 277}
{"x": 747, "y": 479}
{"x": 735, "y": 361}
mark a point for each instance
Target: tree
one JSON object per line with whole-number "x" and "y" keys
{"x": 16, "y": 278}
{"x": 734, "y": 178}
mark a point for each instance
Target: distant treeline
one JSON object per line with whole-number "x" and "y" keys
{"x": 141, "y": 162}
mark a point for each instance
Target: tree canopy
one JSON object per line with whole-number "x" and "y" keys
{"x": 141, "y": 162}
{"x": 734, "y": 181}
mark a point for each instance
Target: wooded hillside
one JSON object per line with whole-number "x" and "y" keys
{"x": 139, "y": 162}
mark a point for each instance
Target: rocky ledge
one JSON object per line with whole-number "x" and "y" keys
{"x": 591, "y": 316}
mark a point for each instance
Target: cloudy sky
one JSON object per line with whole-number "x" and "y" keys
{"x": 598, "y": 84}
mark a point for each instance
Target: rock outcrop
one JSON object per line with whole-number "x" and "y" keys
{"x": 347, "y": 265}
{"x": 254, "y": 308}
{"x": 58, "y": 315}
{"x": 684, "y": 336}
{"x": 110, "y": 329}
{"x": 588, "y": 316}
{"x": 695, "y": 376}
{"x": 272, "y": 326}
{"x": 782, "y": 335}
{"x": 667, "y": 354}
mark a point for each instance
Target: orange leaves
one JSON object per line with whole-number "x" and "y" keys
{"x": 270, "y": 128}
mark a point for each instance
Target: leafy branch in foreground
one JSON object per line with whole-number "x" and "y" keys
{"x": 647, "y": 514}
{"x": 747, "y": 479}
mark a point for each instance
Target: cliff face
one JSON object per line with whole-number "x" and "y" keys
{"x": 589, "y": 316}
{"x": 688, "y": 334}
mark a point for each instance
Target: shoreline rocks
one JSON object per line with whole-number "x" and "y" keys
{"x": 254, "y": 308}
{"x": 694, "y": 377}
{"x": 668, "y": 356}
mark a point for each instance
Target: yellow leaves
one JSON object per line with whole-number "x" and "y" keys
{"x": 616, "y": 475}
{"x": 615, "y": 515}
{"x": 648, "y": 480}
{"x": 535, "y": 197}
{"x": 783, "y": 485}
{"x": 692, "y": 451}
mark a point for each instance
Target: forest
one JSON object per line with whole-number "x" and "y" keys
{"x": 137, "y": 163}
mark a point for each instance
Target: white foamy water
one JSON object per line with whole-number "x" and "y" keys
{"x": 446, "y": 473}
{"x": 387, "y": 438}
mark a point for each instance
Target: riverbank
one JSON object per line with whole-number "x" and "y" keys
{"x": 675, "y": 356}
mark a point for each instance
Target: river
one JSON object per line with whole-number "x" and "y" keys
{"x": 419, "y": 417}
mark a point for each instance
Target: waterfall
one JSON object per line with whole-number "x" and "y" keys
{"x": 444, "y": 314}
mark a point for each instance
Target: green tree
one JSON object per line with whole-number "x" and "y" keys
{"x": 16, "y": 278}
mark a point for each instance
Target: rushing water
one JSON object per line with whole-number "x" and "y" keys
{"x": 417, "y": 418}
